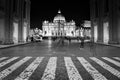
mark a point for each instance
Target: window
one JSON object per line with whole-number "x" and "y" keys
{"x": 52, "y": 33}
{"x": 72, "y": 32}
{"x": 45, "y": 32}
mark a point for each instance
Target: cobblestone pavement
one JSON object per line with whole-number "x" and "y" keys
{"x": 59, "y": 68}
{"x": 50, "y": 60}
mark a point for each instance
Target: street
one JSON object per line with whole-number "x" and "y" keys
{"x": 51, "y": 60}
{"x": 58, "y": 40}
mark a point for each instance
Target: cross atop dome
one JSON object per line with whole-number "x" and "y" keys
{"x": 59, "y": 11}
{"x": 59, "y": 17}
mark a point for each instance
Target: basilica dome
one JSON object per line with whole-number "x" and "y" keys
{"x": 59, "y": 17}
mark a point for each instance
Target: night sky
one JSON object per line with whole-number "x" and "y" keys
{"x": 47, "y": 10}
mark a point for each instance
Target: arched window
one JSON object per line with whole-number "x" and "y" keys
{"x": 72, "y": 32}
{"x": 52, "y": 33}
{"x": 45, "y": 32}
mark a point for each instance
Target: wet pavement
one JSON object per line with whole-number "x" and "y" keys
{"x": 52, "y": 60}
{"x": 55, "y": 48}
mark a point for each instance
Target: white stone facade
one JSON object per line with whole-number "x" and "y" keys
{"x": 59, "y": 27}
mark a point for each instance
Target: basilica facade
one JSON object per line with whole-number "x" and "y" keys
{"x": 59, "y": 27}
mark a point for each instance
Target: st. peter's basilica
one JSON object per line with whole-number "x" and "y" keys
{"x": 59, "y": 27}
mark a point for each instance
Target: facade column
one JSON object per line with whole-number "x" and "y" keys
{"x": 20, "y": 38}
{"x": 118, "y": 12}
{"x": 100, "y": 21}
{"x": 113, "y": 23}
{"x": 28, "y": 3}
{"x": 92, "y": 16}
{"x": 8, "y": 23}
{"x": 11, "y": 23}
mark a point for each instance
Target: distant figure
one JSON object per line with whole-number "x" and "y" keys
{"x": 54, "y": 38}
{"x": 32, "y": 39}
{"x": 82, "y": 42}
{"x": 69, "y": 40}
{"x": 77, "y": 38}
{"x": 62, "y": 40}
{"x": 27, "y": 39}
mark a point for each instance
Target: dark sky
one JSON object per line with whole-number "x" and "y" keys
{"x": 47, "y": 10}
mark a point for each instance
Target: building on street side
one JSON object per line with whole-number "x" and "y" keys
{"x": 59, "y": 27}
{"x": 14, "y": 21}
{"x": 105, "y": 21}
{"x": 84, "y": 30}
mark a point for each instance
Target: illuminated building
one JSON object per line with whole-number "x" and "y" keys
{"x": 59, "y": 27}
{"x": 35, "y": 31}
{"x": 84, "y": 30}
{"x": 14, "y": 21}
{"x": 87, "y": 29}
{"x": 79, "y": 32}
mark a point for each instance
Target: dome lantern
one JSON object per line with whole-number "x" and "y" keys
{"x": 59, "y": 12}
{"x": 59, "y": 17}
